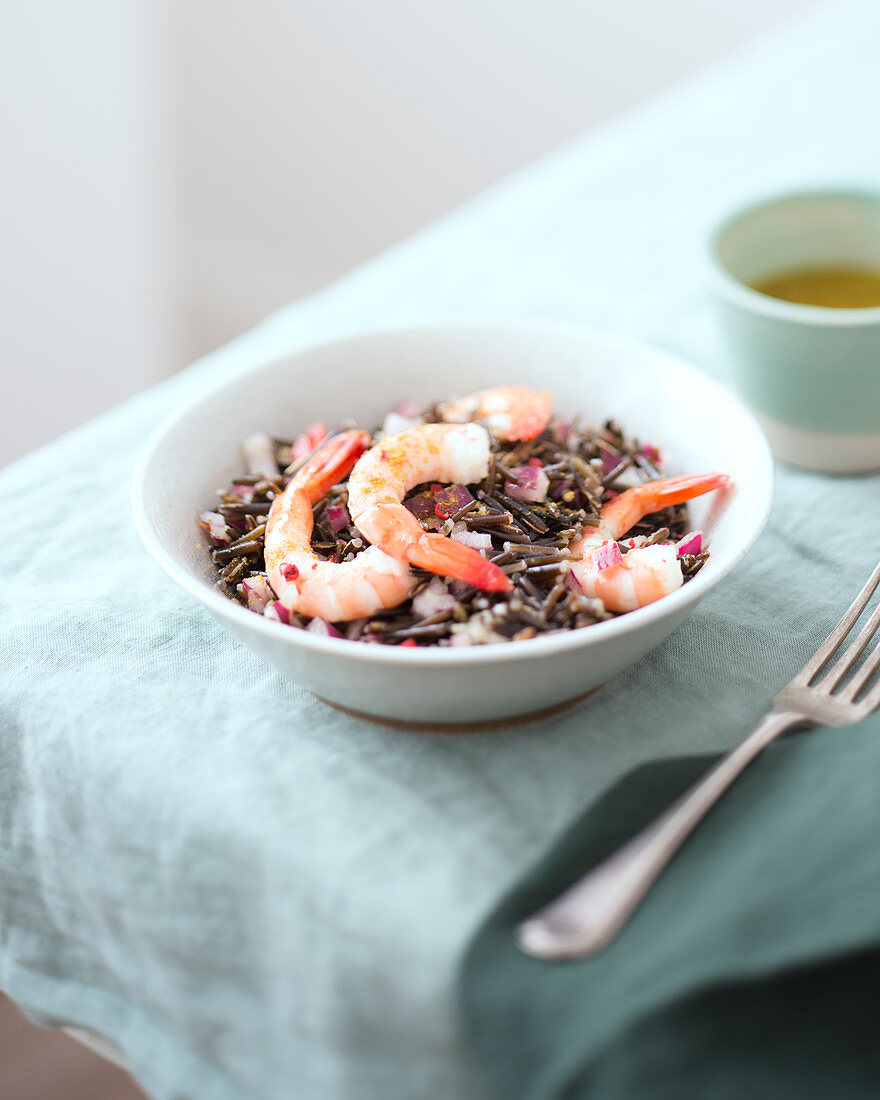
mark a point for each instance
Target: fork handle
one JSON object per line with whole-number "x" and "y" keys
{"x": 590, "y": 913}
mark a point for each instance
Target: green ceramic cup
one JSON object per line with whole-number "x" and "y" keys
{"x": 811, "y": 374}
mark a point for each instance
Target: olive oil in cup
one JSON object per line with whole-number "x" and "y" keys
{"x": 795, "y": 282}
{"x": 834, "y": 287}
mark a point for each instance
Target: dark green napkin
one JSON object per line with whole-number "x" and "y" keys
{"x": 752, "y": 970}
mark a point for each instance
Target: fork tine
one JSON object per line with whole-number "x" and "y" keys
{"x": 853, "y": 651}
{"x": 832, "y": 642}
{"x": 862, "y": 677}
{"x": 871, "y": 701}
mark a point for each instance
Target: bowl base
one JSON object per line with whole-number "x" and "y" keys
{"x": 463, "y": 727}
{"x": 825, "y": 452}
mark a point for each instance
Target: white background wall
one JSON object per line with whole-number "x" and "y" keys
{"x": 175, "y": 169}
{"x": 85, "y": 216}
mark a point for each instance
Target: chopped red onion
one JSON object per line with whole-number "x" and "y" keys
{"x": 561, "y": 486}
{"x": 692, "y": 543}
{"x": 338, "y": 517}
{"x": 434, "y": 599}
{"x": 258, "y": 593}
{"x": 471, "y": 538}
{"x": 452, "y": 498}
{"x": 323, "y": 629}
{"x": 652, "y": 454}
{"x": 259, "y": 456}
{"x": 610, "y": 460}
{"x": 215, "y": 525}
{"x": 423, "y": 507}
{"x": 607, "y": 554}
{"x": 406, "y": 408}
{"x": 531, "y": 484}
{"x": 572, "y": 583}
{"x": 278, "y": 612}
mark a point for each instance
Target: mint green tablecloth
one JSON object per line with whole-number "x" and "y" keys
{"x": 256, "y": 896}
{"x": 751, "y": 970}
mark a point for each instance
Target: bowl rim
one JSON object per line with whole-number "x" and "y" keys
{"x": 726, "y": 285}
{"x": 447, "y": 656}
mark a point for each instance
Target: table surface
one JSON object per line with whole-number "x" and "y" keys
{"x": 252, "y": 894}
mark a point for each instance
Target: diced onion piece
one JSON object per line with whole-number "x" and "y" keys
{"x": 259, "y": 594}
{"x": 452, "y": 498}
{"x": 278, "y": 612}
{"x": 324, "y": 629}
{"x": 572, "y": 583}
{"x": 531, "y": 484}
{"x": 406, "y": 408}
{"x": 259, "y": 456}
{"x": 434, "y": 599}
{"x": 610, "y": 460}
{"x": 652, "y": 454}
{"x": 338, "y": 517}
{"x": 424, "y": 508}
{"x": 692, "y": 543}
{"x": 607, "y": 554}
{"x": 215, "y": 525}
{"x": 562, "y": 486}
{"x": 560, "y": 430}
{"x": 479, "y": 541}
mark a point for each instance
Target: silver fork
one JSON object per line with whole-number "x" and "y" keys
{"x": 590, "y": 913}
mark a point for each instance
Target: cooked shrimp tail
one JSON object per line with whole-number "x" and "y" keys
{"x": 625, "y": 511}
{"x": 331, "y": 464}
{"x": 442, "y": 555}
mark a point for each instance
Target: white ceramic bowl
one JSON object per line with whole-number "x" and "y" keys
{"x": 697, "y": 424}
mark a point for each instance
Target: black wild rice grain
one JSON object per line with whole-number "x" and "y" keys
{"x": 238, "y": 550}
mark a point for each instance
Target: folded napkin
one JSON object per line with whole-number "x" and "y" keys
{"x": 752, "y": 969}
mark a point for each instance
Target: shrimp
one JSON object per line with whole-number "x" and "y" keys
{"x": 334, "y": 591}
{"x": 385, "y": 474}
{"x": 644, "y": 574}
{"x": 512, "y": 412}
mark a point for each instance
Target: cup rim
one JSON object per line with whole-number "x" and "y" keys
{"x": 739, "y": 293}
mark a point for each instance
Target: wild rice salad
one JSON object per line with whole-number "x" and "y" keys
{"x": 540, "y": 499}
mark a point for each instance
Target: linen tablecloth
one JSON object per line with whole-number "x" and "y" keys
{"x": 253, "y": 895}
